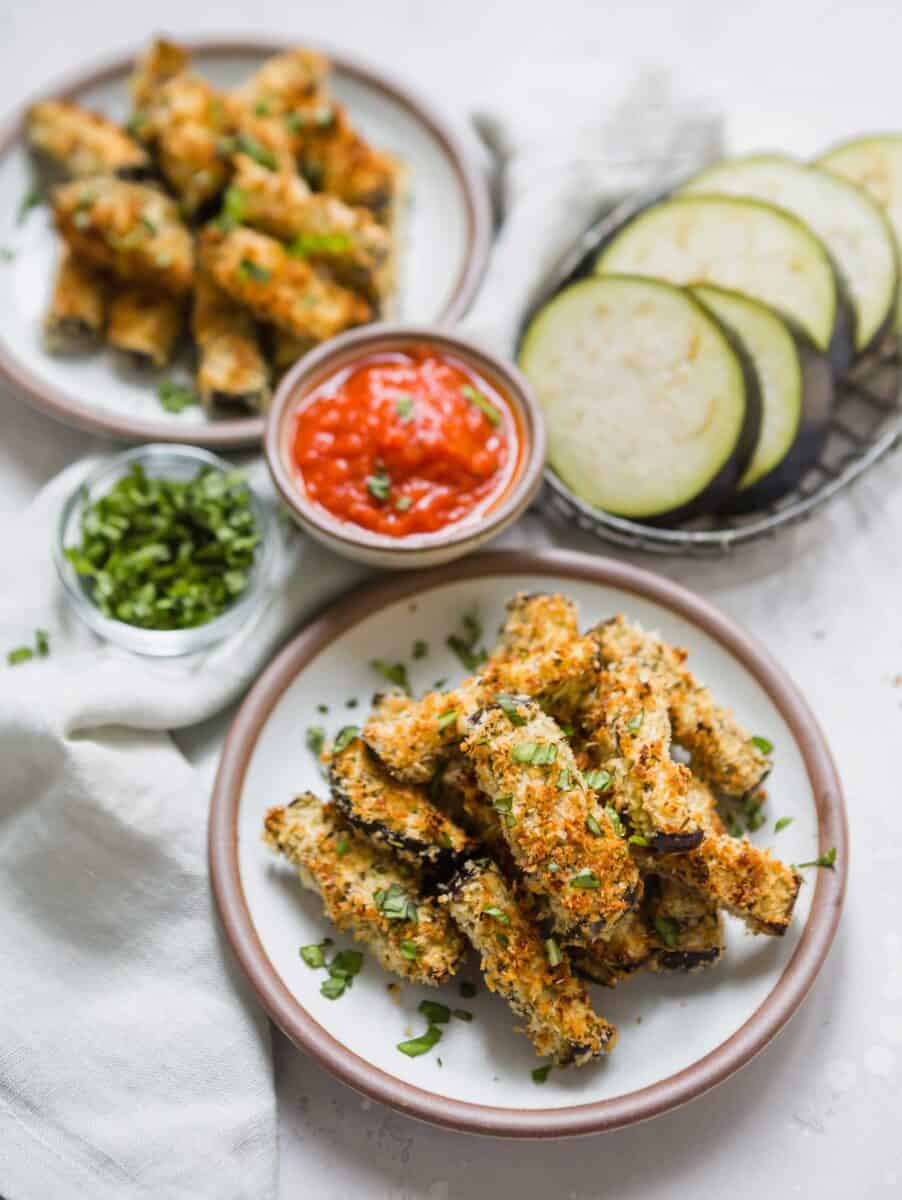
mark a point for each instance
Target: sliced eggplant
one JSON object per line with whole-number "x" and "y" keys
{"x": 651, "y": 411}
{"x": 875, "y": 164}
{"x": 855, "y": 231}
{"x": 796, "y": 385}
{"x": 742, "y": 244}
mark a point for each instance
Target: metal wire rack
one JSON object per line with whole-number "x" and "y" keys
{"x": 866, "y": 424}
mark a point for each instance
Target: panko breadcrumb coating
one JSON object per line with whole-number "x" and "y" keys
{"x": 359, "y": 884}
{"x": 81, "y": 144}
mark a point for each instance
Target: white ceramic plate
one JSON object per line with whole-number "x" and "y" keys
{"x": 678, "y": 1034}
{"x": 445, "y": 232}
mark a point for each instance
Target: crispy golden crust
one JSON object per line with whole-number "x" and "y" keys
{"x": 186, "y": 121}
{"x": 130, "y": 228}
{"x": 349, "y": 873}
{"x": 722, "y": 752}
{"x": 145, "y": 325}
{"x": 291, "y": 80}
{"x": 559, "y": 1019}
{"x": 82, "y": 143}
{"x": 324, "y": 230}
{"x": 334, "y": 158}
{"x": 456, "y": 790}
{"x": 231, "y": 369}
{"x": 731, "y": 873}
{"x": 626, "y": 717}
{"x": 77, "y": 312}
{"x": 560, "y": 839}
{"x": 257, "y": 272}
{"x": 398, "y": 815}
{"x": 539, "y": 653}
{"x": 161, "y": 61}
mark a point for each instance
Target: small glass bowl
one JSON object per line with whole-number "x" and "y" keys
{"x": 171, "y": 462}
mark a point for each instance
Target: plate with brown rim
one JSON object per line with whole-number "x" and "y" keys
{"x": 679, "y": 1035}
{"x": 444, "y": 235}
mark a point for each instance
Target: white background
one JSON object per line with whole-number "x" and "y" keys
{"x": 819, "y": 1112}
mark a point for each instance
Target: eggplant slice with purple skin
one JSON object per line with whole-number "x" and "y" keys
{"x": 797, "y": 395}
{"x": 652, "y": 406}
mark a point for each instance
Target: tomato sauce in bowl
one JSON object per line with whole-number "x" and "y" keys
{"x": 406, "y": 442}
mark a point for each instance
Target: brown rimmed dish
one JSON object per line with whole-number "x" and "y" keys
{"x": 759, "y": 1027}
{"x": 59, "y": 387}
{"x": 415, "y": 550}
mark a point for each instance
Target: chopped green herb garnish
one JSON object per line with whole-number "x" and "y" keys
{"x": 565, "y": 780}
{"x": 253, "y": 149}
{"x": 307, "y": 244}
{"x": 19, "y": 655}
{"x": 598, "y": 781}
{"x": 176, "y": 397}
{"x": 782, "y": 823}
{"x": 352, "y": 703}
{"x": 467, "y": 989}
{"x": 463, "y": 1014}
{"x": 734, "y": 828}
{"x": 403, "y": 503}
{"x": 614, "y": 817}
{"x": 435, "y": 1013}
{"x": 420, "y": 648}
{"x": 346, "y": 964}
{"x": 409, "y": 950}
{"x": 668, "y": 930}
{"x": 404, "y": 407}
{"x": 395, "y": 904}
{"x": 261, "y": 108}
{"x": 234, "y": 208}
{"x": 586, "y": 879}
{"x": 414, "y": 1047}
{"x": 316, "y": 739}
{"x": 553, "y": 866}
{"x": 447, "y": 718}
{"x": 634, "y": 724}
{"x": 636, "y": 839}
{"x": 395, "y": 673}
{"x": 344, "y": 737}
{"x": 343, "y": 845}
{"x": 322, "y": 708}
{"x": 827, "y": 859}
{"x": 567, "y": 730}
{"x": 538, "y": 754}
{"x": 42, "y": 642}
{"x": 313, "y": 956}
{"x": 754, "y": 813}
{"x": 503, "y": 940}
{"x": 503, "y": 804}
{"x": 540, "y": 1074}
{"x": 482, "y": 403}
{"x": 32, "y": 198}
{"x": 439, "y": 684}
{"x": 509, "y": 708}
{"x": 378, "y": 486}
{"x": 25, "y": 653}
{"x": 333, "y": 987}
{"x": 465, "y": 645}
{"x": 553, "y": 952}
{"x": 762, "y": 744}
{"x": 492, "y": 910}
{"x": 248, "y": 269}
{"x": 592, "y": 825}
{"x": 166, "y": 553}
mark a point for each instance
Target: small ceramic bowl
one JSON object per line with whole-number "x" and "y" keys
{"x": 420, "y": 549}
{"x": 171, "y": 462}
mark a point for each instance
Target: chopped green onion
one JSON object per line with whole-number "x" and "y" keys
{"x": 175, "y": 397}
{"x": 316, "y": 739}
{"x": 19, "y": 655}
{"x": 782, "y": 823}
{"x": 538, "y": 754}
{"x": 395, "y": 904}
{"x": 482, "y": 403}
{"x": 492, "y": 910}
{"x": 447, "y": 718}
{"x": 435, "y": 1013}
{"x": 598, "y": 781}
{"x": 614, "y": 817}
{"x": 313, "y": 956}
{"x": 344, "y": 737}
{"x": 409, "y": 950}
{"x": 343, "y": 845}
{"x": 592, "y": 825}
{"x": 509, "y": 708}
{"x": 635, "y": 723}
{"x": 668, "y": 930}
{"x": 553, "y": 952}
{"x": 762, "y": 744}
{"x": 586, "y": 879}
{"x": 333, "y": 987}
{"x": 414, "y": 1047}
{"x": 463, "y": 1014}
{"x": 378, "y": 486}
{"x": 420, "y": 648}
{"x": 42, "y": 642}
{"x": 395, "y": 673}
{"x": 540, "y": 1074}
{"x": 565, "y": 780}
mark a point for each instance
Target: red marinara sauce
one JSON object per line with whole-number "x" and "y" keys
{"x": 406, "y": 443}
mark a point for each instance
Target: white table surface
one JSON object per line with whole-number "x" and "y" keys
{"x": 819, "y": 1111}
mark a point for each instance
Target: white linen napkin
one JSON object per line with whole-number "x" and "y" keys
{"x": 133, "y": 1062}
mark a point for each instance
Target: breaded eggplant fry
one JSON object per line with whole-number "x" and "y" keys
{"x": 736, "y": 876}
{"x": 79, "y": 143}
{"x": 187, "y": 121}
{"x": 160, "y": 62}
{"x": 334, "y": 158}
{"x": 457, "y": 792}
{"x": 320, "y": 228}
{"x": 399, "y": 815}
{"x": 231, "y": 370}
{"x": 130, "y": 228}
{"x": 626, "y": 716}
{"x": 517, "y": 965}
{"x": 286, "y": 349}
{"x": 539, "y": 653}
{"x": 77, "y": 312}
{"x": 627, "y": 949}
{"x": 257, "y": 272}
{"x": 722, "y": 751}
{"x": 561, "y": 840}
{"x": 366, "y": 891}
{"x": 145, "y": 325}
{"x": 288, "y": 81}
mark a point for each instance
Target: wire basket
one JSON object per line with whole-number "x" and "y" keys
{"x": 866, "y": 424}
